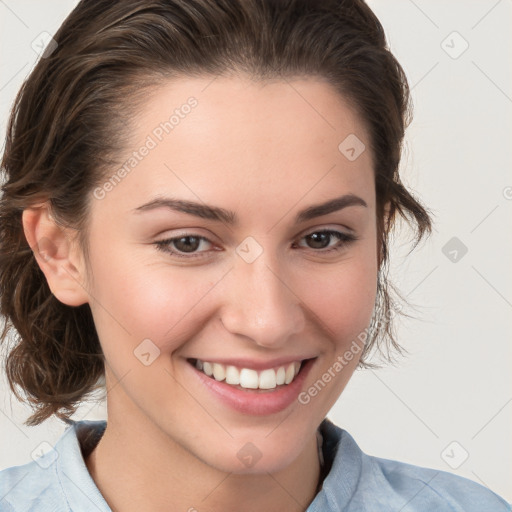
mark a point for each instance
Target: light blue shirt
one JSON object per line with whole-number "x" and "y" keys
{"x": 60, "y": 482}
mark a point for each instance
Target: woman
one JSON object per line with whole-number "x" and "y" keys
{"x": 196, "y": 213}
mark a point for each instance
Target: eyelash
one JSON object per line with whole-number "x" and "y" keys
{"x": 344, "y": 240}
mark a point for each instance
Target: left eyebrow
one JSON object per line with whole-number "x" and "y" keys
{"x": 329, "y": 207}
{"x": 205, "y": 211}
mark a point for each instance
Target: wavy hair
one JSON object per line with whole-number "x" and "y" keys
{"x": 69, "y": 123}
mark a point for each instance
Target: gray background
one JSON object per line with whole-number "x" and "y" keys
{"x": 450, "y": 399}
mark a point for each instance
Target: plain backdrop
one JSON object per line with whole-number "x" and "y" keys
{"x": 448, "y": 404}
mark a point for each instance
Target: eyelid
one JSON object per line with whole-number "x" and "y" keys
{"x": 327, "y": 227}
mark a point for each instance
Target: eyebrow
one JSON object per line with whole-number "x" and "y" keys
{"x": 215, "y": 213}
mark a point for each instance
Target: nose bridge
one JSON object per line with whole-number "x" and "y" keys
{"x": 261, "y": 305}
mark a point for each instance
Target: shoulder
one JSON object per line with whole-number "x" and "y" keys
{"x": 429, "y": 489}
{"x": 57, "y": 481}
{"x": 29, "y": 486}
{"x": 360, "y": 482}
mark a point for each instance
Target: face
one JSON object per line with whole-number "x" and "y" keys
{"x": 209, "y": 254}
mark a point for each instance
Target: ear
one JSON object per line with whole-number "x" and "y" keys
{"x": 56, "y": 254}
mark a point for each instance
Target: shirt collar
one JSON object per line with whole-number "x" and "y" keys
{"x": 342, "y": 458}
{"x": 74, "y": 478}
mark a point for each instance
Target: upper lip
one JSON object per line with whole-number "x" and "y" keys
{"x": 254, "y": 364}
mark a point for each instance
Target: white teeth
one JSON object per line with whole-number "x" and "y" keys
{"x": 232, "y": 376}
{"x": 248, "y": 378}
{"x": 207, "y": 368}
{"x": 280, "y": 376}
{"x": 290, "y": 373}
{"x": 218, "y": 371}
{"x": 267, "y": 379}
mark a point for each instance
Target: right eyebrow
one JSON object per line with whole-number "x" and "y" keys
{"x": 192, "y": 208}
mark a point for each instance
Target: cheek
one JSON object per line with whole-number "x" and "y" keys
{"x": 343, "y": 298}
{"x": 134, "y": 301}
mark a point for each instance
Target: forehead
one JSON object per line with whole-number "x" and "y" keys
{"x": 301, "y": 109}
{"x": 234, "y": 140}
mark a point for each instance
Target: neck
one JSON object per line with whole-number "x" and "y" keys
{"x": 136, "y": 467}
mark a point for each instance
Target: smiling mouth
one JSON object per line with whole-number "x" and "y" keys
{"x": 248, "y": 378}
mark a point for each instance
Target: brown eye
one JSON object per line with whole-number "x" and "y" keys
{"x": 184, "y": 245}
{"x": 319, "y": 240}
{"x": 187, "y": 243}
{"x": 323, "y": 240}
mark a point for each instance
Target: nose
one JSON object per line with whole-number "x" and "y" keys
{"x": 260, "y": 303}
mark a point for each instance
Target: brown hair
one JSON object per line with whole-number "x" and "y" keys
{"x": 70, "y": 119}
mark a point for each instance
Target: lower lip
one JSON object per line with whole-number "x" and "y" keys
{"x": 254, "y": 401}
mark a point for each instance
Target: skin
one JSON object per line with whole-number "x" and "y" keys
{"x": 264, "y": 151}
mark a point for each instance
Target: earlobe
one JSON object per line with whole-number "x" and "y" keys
{"x": 56, "y": 254}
